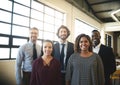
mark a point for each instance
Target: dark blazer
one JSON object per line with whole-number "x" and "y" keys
{"x": 108, "y": 58}
{"x": 70, "y": 50}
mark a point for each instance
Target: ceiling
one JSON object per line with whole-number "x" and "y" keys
{"x": 101, "y": 9}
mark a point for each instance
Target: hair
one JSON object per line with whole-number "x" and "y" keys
{"x": 34, "y": 28}
{"x": 62, "y": 26}
{"x": 95, "y": 31}
{"x": 52, "y": 47}
{"x": 77, "y": 41}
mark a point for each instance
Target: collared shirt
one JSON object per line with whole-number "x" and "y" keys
{"x": 65, "y": 49}
{"x": 24, "y": 59}
{"x": 97, "y": 48}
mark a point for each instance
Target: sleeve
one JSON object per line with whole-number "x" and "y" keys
{"x": 69, "y": 70}
{"x": 112, "y": 64}
{"x": 100, "y": 71}
{"x": 58, "y": 73}
{"x": 33, "y": 80}
{"x": 19, "y": 60}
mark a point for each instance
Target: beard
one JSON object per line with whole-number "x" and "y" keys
{"x": 63, "y": 37}
{"x": 95, "y": 42}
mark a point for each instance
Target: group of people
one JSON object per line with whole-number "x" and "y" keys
{"x": 86, "y": 62}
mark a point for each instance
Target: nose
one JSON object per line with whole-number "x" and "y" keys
{"x": 94, "y": 37}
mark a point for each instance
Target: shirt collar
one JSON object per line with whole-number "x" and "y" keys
{"x": 31, "y": 42}
{"x": 64, "y": 42}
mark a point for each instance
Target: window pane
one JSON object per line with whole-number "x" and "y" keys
{"x": 56, "y": 37}
{"x": 4, "y": 40}
{"x": 6, "y": 4}
{"x": 4, "y": 53}
{"x": 17, "y": 41}
{"x": 5, "y": 28}
{"x": 49, "y": 19}
{"x": 49, "y": 27}
{"x": 81, "y": 27}
{"x": 21, "y": 9}
{"x": 49, "y": 11}
{"x": 37, "y": 6}
{"x": 25, "y": 2}
{"x": 56, "y": 28}
{"x": 48, "y": 35}
{"x": 36, "y": 23}
{"x": 20, "y": 20}
{"x": 14, "y": 52}
{"x": 59, "y": 15}
{"x": 58, "y": 22}
{"x": 5, "y": 16}
{"x": 37, "y": 15}
{"x": 40, "y": 35}
{"x": 20, "y": 31}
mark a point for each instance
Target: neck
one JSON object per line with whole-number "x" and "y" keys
{"x": 84, "y": 52}
{"x": 46, "y": 56}
{"x": 33, "y": 41}
{"x": 62, "y": 41}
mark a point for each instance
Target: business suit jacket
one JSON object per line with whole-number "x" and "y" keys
{"x": 70, "y": 50}
{"x": 108, "y": 58}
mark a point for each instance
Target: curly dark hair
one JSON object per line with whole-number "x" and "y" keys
{"x": 77, "y": 41}
{"x": 62, "y": 26}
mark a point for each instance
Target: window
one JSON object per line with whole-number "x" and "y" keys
{"x": 15, "y": 23}
{"x": 81, "y": 27}
{"x": 108, "y": 40}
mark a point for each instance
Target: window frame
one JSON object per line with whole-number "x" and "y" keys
{"x": 29, "y": 6}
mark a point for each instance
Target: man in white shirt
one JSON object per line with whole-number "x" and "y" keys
{"x": 106, "y": 54}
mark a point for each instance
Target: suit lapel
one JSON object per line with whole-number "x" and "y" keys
{"x": 57, "y": 48}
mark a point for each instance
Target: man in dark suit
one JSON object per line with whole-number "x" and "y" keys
{"x": 63, "y": 53}
{"x": 106, "y": 54}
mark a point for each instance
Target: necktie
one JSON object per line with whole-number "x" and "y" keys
{"x": 62, "y": 57}
{"x": 34, "y": 52}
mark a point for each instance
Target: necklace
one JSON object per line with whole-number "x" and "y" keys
{"x": 47, "y": 60}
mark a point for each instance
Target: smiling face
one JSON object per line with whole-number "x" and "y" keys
{"x": 33, "y": 35}
{"x": 63, "y": 34}
{"x": 47, "y": 48}
{"x": 96, "y": 38}
{"x": 84, "y": 44}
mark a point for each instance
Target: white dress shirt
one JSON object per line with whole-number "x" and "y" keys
{"x": 97, "y": 48}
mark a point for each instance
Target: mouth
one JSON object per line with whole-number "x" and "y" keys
{"x": 95, "y": 42}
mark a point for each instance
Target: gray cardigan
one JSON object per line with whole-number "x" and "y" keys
{"x": 85, "y": 71}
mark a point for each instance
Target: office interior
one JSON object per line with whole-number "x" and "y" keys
{"x": 71, "y": 13}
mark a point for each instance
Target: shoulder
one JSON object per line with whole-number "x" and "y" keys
{"x": 70, "y": 43}
{"x": 37, "y": 61}
{"x": 105, "y": 47}
{"x": 55, "y": 61}
{"x": 96, "y": 56}
{"x": 74, "y": 55}
{"x": 24, "y": 46}
{"x": 56, "y": 43}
